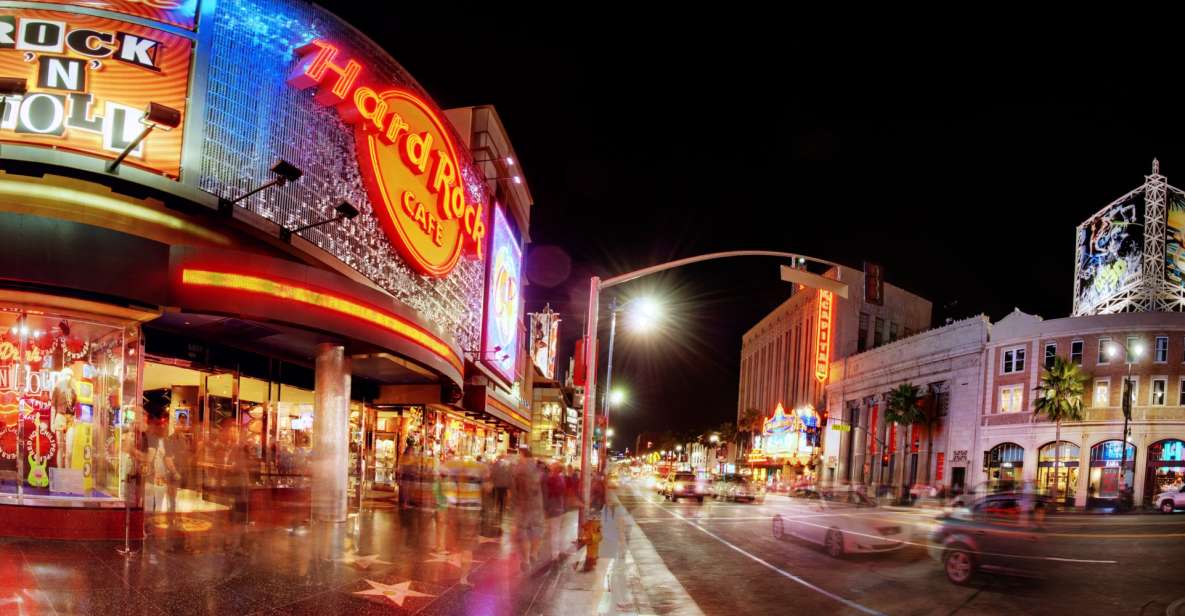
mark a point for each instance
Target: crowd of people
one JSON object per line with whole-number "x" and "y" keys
{"x": 473, "y": 497}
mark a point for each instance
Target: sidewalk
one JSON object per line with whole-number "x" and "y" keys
{"x": 630, "y": 577}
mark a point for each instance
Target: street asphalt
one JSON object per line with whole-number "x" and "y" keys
{"x": 727, "y": 558}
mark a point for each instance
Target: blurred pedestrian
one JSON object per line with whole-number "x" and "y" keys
{"x": 556, "y": 489}
{"x": 503, "y": 476}
{"x": 573, "y": 497}
{"x": 526, "y": 497}
{"x": 596, "y": 496}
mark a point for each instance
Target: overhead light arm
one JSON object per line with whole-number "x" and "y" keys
{"x": 284, "y": 171}
{"x": 345, "y": 211}
{"x": 156, "y": 116}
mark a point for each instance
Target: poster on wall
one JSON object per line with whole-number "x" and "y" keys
{"x": 89, "y": 81}
{"x": 503, "y": 288}
{"x": 182, "y": 13}
{"x": 1109, "y": 250}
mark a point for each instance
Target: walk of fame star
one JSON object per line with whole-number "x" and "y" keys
{"x": 451, "y": 559}
{"x": 361, "y": 562}
{"x": 397, "y": 593}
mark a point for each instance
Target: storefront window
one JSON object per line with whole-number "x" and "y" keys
{"x": 61, "y": 408}
{"x": 1005, "y": 466}
{"x": 1066, "y": 471}
{"x": 1105, "y": 460}
{"x": 1166, "y": 467}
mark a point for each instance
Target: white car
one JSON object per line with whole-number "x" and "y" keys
{"x": 843, "y": 523}
{"x": 1167, "y": 501}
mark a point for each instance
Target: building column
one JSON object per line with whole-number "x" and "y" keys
{"x": 1141, "y": 465}
{"x": 331, "y": 427}
{"x": 1083, "y": 469}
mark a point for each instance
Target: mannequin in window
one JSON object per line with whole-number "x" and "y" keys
{"x": 63, "y": 400}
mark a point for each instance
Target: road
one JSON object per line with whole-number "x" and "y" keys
{"x": 726, "y": 557}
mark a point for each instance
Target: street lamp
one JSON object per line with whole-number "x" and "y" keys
{"x": 1131, "y": 356}
{"x": 596, "y": 285}
{"x": 648, "y": 310}
{"x": 715, "y": 438}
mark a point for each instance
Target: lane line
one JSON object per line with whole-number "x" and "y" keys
{"x": 782, "y": 572}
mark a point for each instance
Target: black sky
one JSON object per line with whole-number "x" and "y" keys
{"x": 960, "y": 162}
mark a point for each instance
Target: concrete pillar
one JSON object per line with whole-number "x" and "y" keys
{"x": 1140, "y": 436}
{"x": 1083, "y": 469}
{"x": 331, "y": 427}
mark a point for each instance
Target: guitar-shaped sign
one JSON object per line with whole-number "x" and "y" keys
{"x": 38, "y": 477}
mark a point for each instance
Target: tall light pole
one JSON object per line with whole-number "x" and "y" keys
{"x": 1130, "y": 356}
{"x": 596, "y": 285}
{"x": 612, "y": 398}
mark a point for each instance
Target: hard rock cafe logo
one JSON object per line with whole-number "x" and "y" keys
{"x": 407, "y": 158}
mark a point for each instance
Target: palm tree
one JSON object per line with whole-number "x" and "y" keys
{"x": 750, "y": 422}
{"x": 904, "y": 408}
{"x": 1059, "y": 398}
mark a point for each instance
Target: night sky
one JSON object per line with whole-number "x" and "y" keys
{"x": 961, "y": 164}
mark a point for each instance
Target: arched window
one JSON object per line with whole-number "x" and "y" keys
{"x": 1058, "y": 478}
{"x": 1105, "y": 479}
{"x": 1005, "y": 466}
{"x": 1166, "y": 467}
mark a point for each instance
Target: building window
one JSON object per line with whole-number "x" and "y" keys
{"x": 862, "y": 341}
{"x": 1104, "y": 348}
{"x": 1011, "y": 398}
{"x": 1076, "y": 352}
{"x": 1159, "y": 387}
{"x": 892, "y": 331}
{"x": 878, "y": 335}
{"x": 1133, "y": 343}
{"x": 1050, "y": 354}
{"x": 1181, "y": 393}
{"x": 1102, "y": 392}
{"x": 1014, "y": 360}
{"x": 1162, "y": 349}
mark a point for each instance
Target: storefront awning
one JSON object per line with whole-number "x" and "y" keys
{"x": 481, "y": 398}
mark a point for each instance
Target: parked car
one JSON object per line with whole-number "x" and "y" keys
{"x": 685, "y": 485}
{"x": 737, "y": 488}
{"x": 1171, "y": 499}
{"x": 998, "y": 533}
{"x": 843, "y": 523}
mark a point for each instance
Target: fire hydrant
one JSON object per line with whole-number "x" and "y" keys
{"x": 590, "y": 538}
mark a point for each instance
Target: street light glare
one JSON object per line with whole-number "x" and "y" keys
{"x": 609, "y": 432}
{"x": 616, "y": 397}
{"x": 1137, "y": 350}
{"x": 645, "y": 313}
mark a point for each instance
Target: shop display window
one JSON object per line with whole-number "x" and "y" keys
{"x": 1066, "y": 480}
{"x": 62, "y": 416}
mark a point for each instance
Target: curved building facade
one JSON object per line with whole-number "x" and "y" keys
{"x": 240, "y": 224}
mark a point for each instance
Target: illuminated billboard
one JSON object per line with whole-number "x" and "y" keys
{"x": 1174, "y": 241}
{"x": 503, "y": 299}
{"x": 1109, "y": 251}
{"x": 89, "y": 82}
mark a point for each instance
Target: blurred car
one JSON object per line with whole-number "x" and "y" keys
{"x": 1171, "y": 499}
{"x": 737, "y": 488}
{"x": 684, "y": 485}
{"x": 842, "y": 523}
{"x": 998, "y": 533}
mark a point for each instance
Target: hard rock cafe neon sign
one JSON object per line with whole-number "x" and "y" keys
{"x": 407, "y": 158}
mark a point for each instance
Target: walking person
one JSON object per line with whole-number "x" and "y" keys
{"x": 503, "y": 476}
{"x": 526, "y": 497}
{"x": 556, "y": 489}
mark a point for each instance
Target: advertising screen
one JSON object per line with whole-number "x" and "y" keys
{"x": 1174, "y": 241}
{"x": 500, "y": 342}
{"x": 1109, "y": 248}
{"x": 89, "y": 81}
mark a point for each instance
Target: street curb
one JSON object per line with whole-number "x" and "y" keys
{"x": 661, "y": 592}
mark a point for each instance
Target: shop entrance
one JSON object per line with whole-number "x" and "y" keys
{"x": 1059, "y": 478}
{"x": 1004, "y": 465}
{"x": 1105, "y": 461}
{"x": 1166, "y": 467}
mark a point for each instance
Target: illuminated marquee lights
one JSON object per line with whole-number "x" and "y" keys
{"x": 286, "y": 291}
{"x": 823, "y": 342}
{"x": 406, "y": 156}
